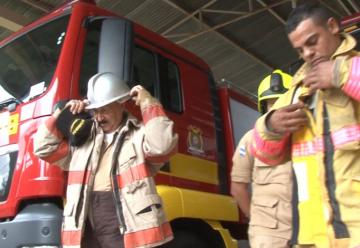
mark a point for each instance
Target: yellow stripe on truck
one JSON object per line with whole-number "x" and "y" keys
{"x": 187, "y": 203}
{"x": 194, "y": 168}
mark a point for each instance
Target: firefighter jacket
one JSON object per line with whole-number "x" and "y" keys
{"x": 325, "y": 153}
{"x": 271, "y": 195}
{"x": 145, "y": 147}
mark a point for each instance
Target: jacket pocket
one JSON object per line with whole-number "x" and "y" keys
{"x": 349, "y": 192}
{"x": 341, "y": 109}
{"x": 343, "y": 119}
{"x": 263, "y": 212}
{"x": 126, "y": 159}
{"x": 335, "y": 97}
{"x": 145, "y": 201}
{"x": 148, "y": 209}
{"x": 127, "y": 153}
{"x": 280, "y": 174}
{"x": 262, "y": 175}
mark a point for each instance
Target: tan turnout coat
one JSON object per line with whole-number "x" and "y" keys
{"x": 325, "y": 154}
{"x": 271, "y": 207}
{"x": 145, "y": 148}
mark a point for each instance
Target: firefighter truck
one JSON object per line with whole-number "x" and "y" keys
{"x": 52, "y": 59}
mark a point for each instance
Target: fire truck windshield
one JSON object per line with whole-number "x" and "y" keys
{"x": 7, "y": 165}
{"x": 28, "y": 62}
{"x": 356, "y": 34}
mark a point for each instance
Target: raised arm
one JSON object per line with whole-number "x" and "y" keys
{"x": 346, "y": 75}
{"x": 50, "y": 145}
{"x": 241, "y": 173}
{"x": 271, "y": 137}
{"x": 160, "y": 141}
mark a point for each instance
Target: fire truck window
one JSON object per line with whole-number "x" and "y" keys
{"x": 170, "y": 93}
{"x": 28, "y": 62}
{"x": 7, "y": 165}
{"x": 356, "y": 35}
{"x": 144, "y": 71}
{"x": 89, "y": 63}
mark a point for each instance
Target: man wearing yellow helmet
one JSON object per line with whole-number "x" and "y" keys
{"x": 270, "y": 208}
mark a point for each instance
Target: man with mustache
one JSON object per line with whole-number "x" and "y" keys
{"x": 111, "y": 199}
{"x": 316, "y": 124}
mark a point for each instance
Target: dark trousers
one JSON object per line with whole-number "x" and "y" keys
{"x": 103, "y": 232}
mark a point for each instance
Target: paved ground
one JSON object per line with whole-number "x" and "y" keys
{"x": 243, "y": 244}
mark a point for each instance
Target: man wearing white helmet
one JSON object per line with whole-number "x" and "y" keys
{"x": 111, "y": 194}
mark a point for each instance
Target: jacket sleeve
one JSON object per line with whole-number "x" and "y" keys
{"x": 160, "y": 141}
{"x": 49, "y": 145}
{"x": 346, "y": 75}
{"x": 267, "y": 146}
{"x": 243, "y": 161}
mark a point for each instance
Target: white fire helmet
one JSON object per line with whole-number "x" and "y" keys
{"x": 105, "y": 88}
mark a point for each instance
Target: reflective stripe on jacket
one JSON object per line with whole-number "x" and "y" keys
{"x": 145, "y": 148}
{"x": 271, "y": 208}
{"x": 325, "y": 155}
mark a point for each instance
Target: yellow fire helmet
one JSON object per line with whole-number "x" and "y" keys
{"x": 272, "y": 86}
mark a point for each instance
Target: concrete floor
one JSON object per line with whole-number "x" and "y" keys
{"x": 243, "y": 244}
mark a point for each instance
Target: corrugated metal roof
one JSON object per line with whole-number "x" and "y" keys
{"x": 242, "y": 41}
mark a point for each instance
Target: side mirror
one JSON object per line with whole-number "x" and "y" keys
{"x": 116, "y": 48}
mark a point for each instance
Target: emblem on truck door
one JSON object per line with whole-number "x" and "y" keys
{"x": 195, "y": 141}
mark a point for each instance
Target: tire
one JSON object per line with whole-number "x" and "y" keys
{"x": 186, "y": 239}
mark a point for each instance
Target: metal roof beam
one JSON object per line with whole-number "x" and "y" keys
{"x": 347, "y": 11}
{"x": 188, "y": 15}
{"x": 217, "y": 11}
{"x": 251, "y": 8}
{"x": 330, "y": 8}
{"x": 251, "y": 5}
{"x": 231, "y": 21}
{"x": 209, "y": 28}
{"x": 354, "y": 5}
{"x": 11, "y": 20}
{"x": 272, "y": 12}
{"x": 44, "y": 7}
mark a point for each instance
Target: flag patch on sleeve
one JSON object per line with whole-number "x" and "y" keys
{"x": 242, "y": 151}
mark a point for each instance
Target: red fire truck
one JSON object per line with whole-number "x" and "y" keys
{"x": 351, "y": 25}
{"x": 51, "y": 61}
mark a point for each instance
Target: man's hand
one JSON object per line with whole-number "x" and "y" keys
{"x": 141, "y": 96}
{"x": 320, "y": 76}
{"x": 287, "y": 119}
{"x": 77, "y": 106}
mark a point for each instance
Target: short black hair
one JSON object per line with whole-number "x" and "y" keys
{"x": 319, "y": 14}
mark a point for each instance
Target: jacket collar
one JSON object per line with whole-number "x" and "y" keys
{"x": 348, "y": 43}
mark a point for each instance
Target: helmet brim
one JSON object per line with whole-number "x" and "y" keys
{"x": 123, "y": 98}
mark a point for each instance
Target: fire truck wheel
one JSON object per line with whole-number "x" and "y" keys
{"x": 186, "y": 239}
